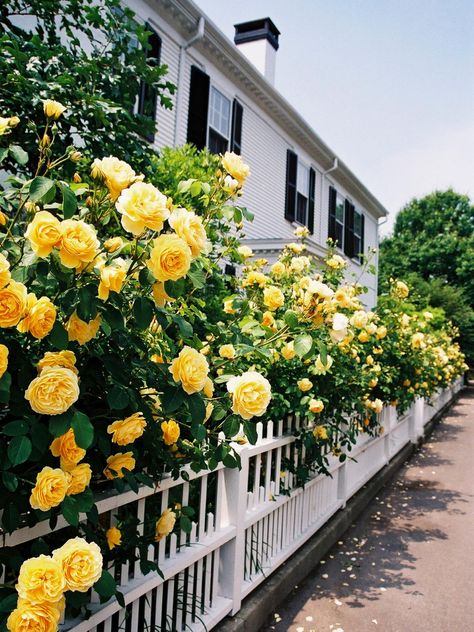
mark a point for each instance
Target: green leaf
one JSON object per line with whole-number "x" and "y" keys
{"x": 3, "y": 154}
{"x": 175, "y": 288}
{"x": 198, "y": 277}
{"x": 69, "y": 201}
{"x": 172, "y": 399}
{"x": 84, "y": 500}
{"x": 185, "y": 328}
{"x": 143, "y": 311}
{"x": 117, "y": 398}
{"x": 19, "y": 449}
{"x": 58, "y": 337}
{"x": 199, "y": 432}
{"x": 221, "y": 379}
{"x": 16, "y": 428}
{"x": 291, "y": 318}
{"x": 185, "y": 524}
{"x": 250, "y": 430}
{"x": 19, "y": 154}
{"x": 10, "y": 518}
{"x": 230, "y": 461}
{"x": 195, "y": 188}
{"x": 5, "y": 384}
{"x": 7, "y": 604}
{"x": 323, "y": 352}
{"x": 60, "y": 424}
{"x": 231, "y": 426}
{"x": 42, "y": 189}
{"x": 83, "y": 430}
{"x": 106, "y": 585}
{"x": 197, "y": 408}
{"x": 87, "y": 309}
{"x": 303, "y": 344}
{"x": 70, "y": 511}
{"x": 10, "y": 481}
{"x": 114, "y": 317}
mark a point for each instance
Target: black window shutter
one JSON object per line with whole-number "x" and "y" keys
{"x": 290, "y": 197}
{"x": 198, "y": 106}
{"x": 147, "y": 96}
{"x": 362, "y": 242}
{"x": 236, "y": 136}
{"x": 332, "y": 214}
{"x": 312, "y": 184}
{"x": 349, "y": 229}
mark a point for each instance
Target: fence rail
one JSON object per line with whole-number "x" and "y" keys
{"x": 259, "y": 519}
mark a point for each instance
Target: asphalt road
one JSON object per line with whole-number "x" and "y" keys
{"x": 407, "y": 565}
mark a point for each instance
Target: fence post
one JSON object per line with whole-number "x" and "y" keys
{"x": 233, "y": 511}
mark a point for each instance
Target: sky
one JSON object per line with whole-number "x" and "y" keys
{"x": 387, "y": 84}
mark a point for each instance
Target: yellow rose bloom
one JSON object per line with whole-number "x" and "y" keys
{"x": 209, "y": 411}
{"x": 316, "y": 406}
{"x": 336, "y": 262}
{"x": 3, "y": 359}
{"x": 165, "y": 524}
{"x": 288, "y": 351}
{"x": 299, "y": 264}
{"x": 142, "y": 206}
{"x": 4, "y": 271}
{"x": 359, "y": 319}
{"x": 363, "y": 336}
{"x": 305, "y": 384}
{"x": 67, "y": 449}
{"x": 235, "y": 166}
{"x": 255, "y": 278}
{"x": 112, "y": 279}
{"x": 208, "y": 389}
{"x": 39, "y": 318}
{"x": 245, "y": 251}
{"x": 113, "y": 244}
{"x": 227, "y": 351}
{"x": 342, "y": 299}
{"x": 190, "y": 368}
{"x": 296, "y": 248}
{"x": 278, "y": 269}
{"x": 13, "y": 303}
{"x": 401, "y": 289}
{"x": 228, "y": 309}
{"x": 273, "y": 297}
{"x": 81, "y": 331}
{"x": 80, "y": 478}
{"x": 301, "y": 231}
{"x": 79, "y": 243}
{"x": 170, "y": 258}
{"x": 116, "y": 174}
{"x": 54, "y": 391}
{"x": 320, "y": 368}
{"x": 44, "y": 233}
{"x": 29, "y": 617}
{"x": 251, "y": 394}
{"x": 53, "y": 109}
{"x": 159, "y": 294}
{"x": 114, "y": 537}
{"x": 128, "y": 430}
{"x": 268, "y": 320}
{"x": 41, "y": 580}
{"x": 65, "y": 358}
{"x": 320, "y": 432}
{"x": 50, "y": 489}
{"x": 381, "y": 332}
{"x": 171, "y": 431}
{"x": 118, "y": 462}
{"x": 81, "y": 563}
{"x": 190, "y": 228}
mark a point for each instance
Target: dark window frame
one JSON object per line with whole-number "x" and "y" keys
{"x": 147, "y": 95}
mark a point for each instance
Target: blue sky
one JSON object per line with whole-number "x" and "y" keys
{"x": 388, "y": 84}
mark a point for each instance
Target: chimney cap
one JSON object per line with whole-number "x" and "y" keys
{"x": 257, "y": 30}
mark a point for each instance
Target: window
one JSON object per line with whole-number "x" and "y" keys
{"x": 345, "y": 225}
{"x": 300, "y": 191}
{"x": 147, "y": 96}
{"x": 213, "y": 119}
{"x": 219, "y": 122}
{"x": 358, "y": 235}
{"x": 339, "y": 236}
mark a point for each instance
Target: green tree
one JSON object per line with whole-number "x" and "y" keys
{"x": 90, "y": 56}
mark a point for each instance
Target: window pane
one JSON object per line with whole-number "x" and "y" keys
{"x": 219, "y": 113}
{"x": 357, "y": 223}
{"x": 302, "y": 179}
{"x": 340, "y": 210}
{"x": 339, "y": 233}
{"x": 356, "y": 246}
{"x": 217, "y": 143}
{"x": 301, "y": 209}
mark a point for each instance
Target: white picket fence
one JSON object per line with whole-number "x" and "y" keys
{"x": 260, "y": 519}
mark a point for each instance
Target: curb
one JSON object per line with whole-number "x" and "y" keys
{"x": 256, "y": 607}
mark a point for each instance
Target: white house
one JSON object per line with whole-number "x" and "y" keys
{"x": 226, "y": 101}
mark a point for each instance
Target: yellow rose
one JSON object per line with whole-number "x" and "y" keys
{"x": 80, "y": 478}
{"x": 118, "y": 462}
{"x": 301, "y": 231}
{"x": 39, "y": 318}
{"x": 268, "y": 320}
{"x": 359, "y": 319}
{"x": 3, "y": 360}
{"x": 4, "y": 271}
{"x": 251, "y": 394}
{"x": 278, "y": 269}
{"x": 227, "y": 351}
{"x": 125, "y": 431}
{"x": 170, "y": 258}
{"x": 165, "y": 524}
{"x": 342, "y": 298}
{"x": 189, "y": 227}
{"x": 81, "y": 563}
{"x": 363, "y": 336}
{"x": 67, "y": 449}
{"x": 114, "y": 537}
{"x": 13, "y": 303}
{"x": 29, "y": 617}
{"x": 273, "y": 297}
{"x": 228, "y": 309}
{"x": 159, "y": 294}
{"x": 113, "y": 244}
{"x": 54, "y": 391}
{"x": 171, "y": 431}
{"x": 41, "y": 580}
{"x": 50, "y": 488}
{"x": 305, "y": 384}
{"x": 401, "y": 289}
{"x": 44, "y": 233}
{"x": 66, "y": 359}
{"x": 336, "y": 262}
{"x": 288, "y": 351}
{"x": 79, "y": 243}
{"x": 209, "y": 411}
{"x": 298, "y": 264}
{"x": 255, "y": 278}
{"x": 142, "y": 206}
{"x": 316, "y": 406}
{"x": 320, "y": 432}
{"x": 245, "y": 251}
{"x": 53, "y": 109}
{"x": 112, "y": 279}
{"x": 116, "y": 174}
{"x": 235, "y": 166}
{"x": 208, "y": 389}
{"x": 191, "y": 369}
{"x": 321, "y": 368}
{"x": 81, "y": 331}
{"x": 381, "y": 332}
{"x": 296, "y": 248}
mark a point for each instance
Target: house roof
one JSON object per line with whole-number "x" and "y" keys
{"x": 215, "y": 45}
